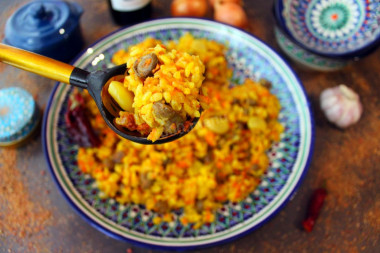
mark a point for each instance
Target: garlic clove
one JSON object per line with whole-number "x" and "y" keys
{"x": 348, "y": 93}
{"x": 357, "y": 112}
{"x": 334, "y": 112}
{"x": 328, "y": 101}
{"x": 345, "y": 119}
{"x": 341, "y": 105}
{"x": 327, "y": 93}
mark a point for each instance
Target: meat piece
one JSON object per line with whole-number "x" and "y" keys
{"x": 267, "y": 84}
{"x": 199, "y": 206}
{"x": 118, "y": 157}
{"x": 127, "y": 120}
{"x": 145, "y": 65}
{"x": 251, "y": 102}
{"x": 109, "y": 163}
{"x": 209, "y": 157}
{"x": 163, "y": 112}
{"x": 145, "y": 181}
{"x": 174, "y": 125}
{"x": 162, "y": 207}
{"x": 166, "y": 116}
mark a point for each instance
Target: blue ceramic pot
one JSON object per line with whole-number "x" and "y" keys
{"x": 50, "y": 28}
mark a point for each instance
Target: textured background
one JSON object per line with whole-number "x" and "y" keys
{"x": 34, "y": 216}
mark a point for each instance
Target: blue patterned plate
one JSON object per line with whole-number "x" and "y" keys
{"x": 334, "y": 28}
{"x": 305, "y": 58}
{"x": 248, "y": 57}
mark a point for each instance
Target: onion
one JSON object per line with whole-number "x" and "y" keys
{"x": 213, "y": 2}
{"x": 189, "y": 8}
{"x": 230, "y": 13}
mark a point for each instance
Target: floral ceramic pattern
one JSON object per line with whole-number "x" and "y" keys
{"x": 289, "y": 158}
{"x": 335, "y": 19}
{"x": 333, "y": 26}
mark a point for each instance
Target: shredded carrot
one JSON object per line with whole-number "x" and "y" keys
{"x": 143, "y": 128}
{"x": 182, "y": 164}
{"x": 156, "y": 68}
{"x": 217, "y": 95}
{"x": 147, "y": 62}
{"x": 213, "y": 71}
{"x": 229, "y": 158}
{"x": 184, "y": 221}
{"x": 264, "y": 93}
{"x": 219, "y": 164}
{"x": 204, "y": 99}
{"x": 190, "y": 155}
{"x": 211, "y": 138}
{"x": 189, "y": 202}
{"x": 220, "y": 198}
{"x": 187, "y": 125}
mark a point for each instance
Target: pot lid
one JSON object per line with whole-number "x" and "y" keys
{"x": 39, "y": 24}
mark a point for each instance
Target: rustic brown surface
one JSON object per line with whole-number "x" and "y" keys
{"x": 348, "y": 160}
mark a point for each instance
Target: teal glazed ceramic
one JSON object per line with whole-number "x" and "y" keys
{"x": 332, "y": 28}
{"x": 305, "y": 58}
{"x": 289, "y": 158}
{"x": 19, "y": 116}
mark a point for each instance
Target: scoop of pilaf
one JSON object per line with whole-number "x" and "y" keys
{"x": 221, "y": 159}
{"x": 166, "y": 98}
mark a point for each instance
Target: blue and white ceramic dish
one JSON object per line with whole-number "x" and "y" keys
{"x": 290, "y": 157}
{"x": 305, "y": 58}
{"x": 332, "y": 28}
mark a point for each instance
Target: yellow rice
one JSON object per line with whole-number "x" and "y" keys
{"x": 221, "y": 160}
{"x": 176, "y": 82}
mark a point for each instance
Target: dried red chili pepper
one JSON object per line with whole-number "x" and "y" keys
{"x": 315, "y": 206}
{"x": 78, "y": 124}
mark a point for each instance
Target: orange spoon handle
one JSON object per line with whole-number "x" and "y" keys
{"x": 35, "y": 63}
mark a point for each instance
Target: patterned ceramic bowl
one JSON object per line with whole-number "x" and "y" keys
{"x": 305, "y": 58}
{"x": 332, "y": 28}
{"x": 289, "y": 158}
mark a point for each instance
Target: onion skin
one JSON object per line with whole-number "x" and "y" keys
{"x": 213, "y": 2}
{"x": 230, "y": 13}
{"x": 189, "y": 8}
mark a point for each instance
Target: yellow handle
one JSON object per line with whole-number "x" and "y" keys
{"x": 35, "y": 63}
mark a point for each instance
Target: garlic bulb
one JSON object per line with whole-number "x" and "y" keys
{"x": 341, "y": 105}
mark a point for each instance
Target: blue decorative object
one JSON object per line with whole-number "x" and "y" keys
{"x": 19, "y": 116}
{"x": 306, "y": 58}
{"x": 289, "y": 158}
{"x": 332, "y": 28}
{"x": 50, "y": 28}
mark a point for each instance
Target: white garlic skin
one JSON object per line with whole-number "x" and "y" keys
{"x": 341, "y": 105}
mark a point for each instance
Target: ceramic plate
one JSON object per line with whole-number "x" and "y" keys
{"x": 248, "y": 57}
{"x": 335, "y": 28}
{"x": 306, "y": 58}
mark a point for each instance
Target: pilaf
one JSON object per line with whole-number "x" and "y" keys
{"x": 221, "y": 159}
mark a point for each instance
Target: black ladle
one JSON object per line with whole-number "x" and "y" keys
{"x": 95, "y": 82}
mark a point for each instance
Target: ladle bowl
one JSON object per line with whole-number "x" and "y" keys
{"x": 95, "y": 82}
